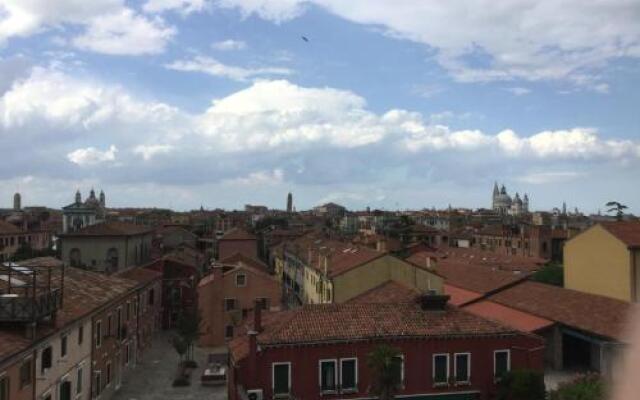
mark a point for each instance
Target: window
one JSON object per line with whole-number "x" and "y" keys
{"x": 127, "y": 354}
{"x": 229, "y": 304}
{"x": 4, "y": 388}
{"x": 241, "y": 280}
{"x": 281, "y": 378}
{"x": 440, "y": 369}
{"x": 119, "y": 330}
{"x": 79, "y": 381}
{"x": 328, "y": 375}
{"x": 75, "y": 259}
{"x": 398, "y": 363}
{"x": 98, "y": 383}
{"x": 264, "y": 302}
{"x": 135, "y": 308}
{"x": 501, "y": 363}
{"x": 80, "y": 335}
{"x": 98, "y": 334}
{"x": 151, "y": 297}
{"x": 108, "y": 378}
{"x": 46, "y": 360}
{"x": 349, "y": 374}
{"x": 127, "y": 313}
{"x": 25, "y": 373}
{"x": 462, "y": 365}
{"x": 63, "y": 346}
{"x": 228, "y": 332}
{"x": 64, "y": 391}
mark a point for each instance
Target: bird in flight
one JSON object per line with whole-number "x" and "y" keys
{"x": 304, "y": 38}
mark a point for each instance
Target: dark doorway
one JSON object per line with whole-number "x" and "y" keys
{"x": 576, "y": 354}
{"x": 65, "y": 390}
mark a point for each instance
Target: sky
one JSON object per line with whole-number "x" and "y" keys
{"x": 407, "y": 104}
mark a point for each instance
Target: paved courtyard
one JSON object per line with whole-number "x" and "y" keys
{"x": 152, "y": 378}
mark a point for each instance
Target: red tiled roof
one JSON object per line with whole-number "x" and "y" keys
{"x": 238, "y": 234}
{"x": 460, "y": 296}
{"x": 509, "y": 316}
{"x": 626, "y": 231}
{"x": 358, "y": 321}
{"x": 140, "y": 275}
{"x": 111, "y": 228}
{"x": 587, "y": 312}
{"x": 476, "y": 278}
{"x": 487, "y": 258}
{"x": 388, "y": 292}
{"x": 237, "y": 258}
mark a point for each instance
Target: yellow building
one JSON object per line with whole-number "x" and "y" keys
{"x": 329, "y": 271}
{"x": 605, "y": 260}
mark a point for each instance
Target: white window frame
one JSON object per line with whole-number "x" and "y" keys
{"x": 433, "y": 369}
{"x": 455, "y": 367}
{"x": 79, "y": 379}
{"x": 495, "y": 364}
{"x": 236, "y": 279}
{"x": 273, "y": 376}
{"x": 335, "y": 374}
{"x": 355, "y": 370}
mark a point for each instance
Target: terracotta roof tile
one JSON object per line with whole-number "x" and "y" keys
{"x": 7, "y": 228}
{"x": 460, "y": 296}
{"x": 509, "y": 316}
{"x": 587, "y": 312}
{"x": 237, "y": 258}
{"x": 111, "y": 228}
{"x": 626, "y": 231}
{"x": 238, "y": 234}
{"x": 388, "y": 292}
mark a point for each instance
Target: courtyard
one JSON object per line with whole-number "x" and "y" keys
{"x": 152, "y": 378}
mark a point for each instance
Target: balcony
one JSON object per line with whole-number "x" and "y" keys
{"x": 30, "y": 292}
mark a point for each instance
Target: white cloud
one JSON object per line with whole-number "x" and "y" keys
{"x": 259, "y": 178}
{"x": 528, "y": 39}
{"x": 108, "y": 25}
{"x": 541, "y": 178}
{"x": 229, "y": 44}
{"x": 211, "y": 66}
{"x": 518, "y": 91}
{"x": 149, "y": 151}
{"x": 92, "y": 156}
{"x": 125, "y": 33}
{"x": 185, "y": 7}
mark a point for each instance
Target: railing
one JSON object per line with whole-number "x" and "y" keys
{"x": 14, "y": 308}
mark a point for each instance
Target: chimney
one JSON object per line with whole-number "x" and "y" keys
{"x": 257, "y": 316}
{"x": 253, "y": 358}
{"x": 381, "y": 245}
{"x": 432, "y": 301}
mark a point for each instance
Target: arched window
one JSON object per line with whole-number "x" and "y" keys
{"x": 75, "y": 258}
{"x": 112, "y": 259}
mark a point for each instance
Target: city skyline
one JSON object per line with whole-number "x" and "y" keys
{"x": 221, "y": 103}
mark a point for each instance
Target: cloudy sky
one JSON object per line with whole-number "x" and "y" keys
{"x": 403, "y": 104}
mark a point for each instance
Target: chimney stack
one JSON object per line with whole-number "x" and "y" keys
{"x": 431, "y": 301}
{"x": 253, "y": 357}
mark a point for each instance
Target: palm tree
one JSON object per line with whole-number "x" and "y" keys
{"x": 385, "y": 366}
{"x": 618, "y": 208}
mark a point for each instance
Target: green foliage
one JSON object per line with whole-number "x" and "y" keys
{"x": 385, "y": 369}
{"x": 617, "y": 208}
{"x": 584, "y": 387}
{"x": 26, "y": 252}
{"x": 180, "y": 345}
{"x": 551, "y": 274}
{"x": 521, "y": 385}
{"x": 188, "y": 329}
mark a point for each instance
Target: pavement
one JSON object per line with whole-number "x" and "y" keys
{"x": 153, "y": 376}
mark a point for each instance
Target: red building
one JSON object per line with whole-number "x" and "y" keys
{"x": 321, "y": 351}
{"x": 237, "y": 241}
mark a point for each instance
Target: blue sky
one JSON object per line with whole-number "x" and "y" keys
{"x": 406, "y": 105}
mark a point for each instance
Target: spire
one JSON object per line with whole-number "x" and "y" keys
{"x": 78, "y": 196}
{"x": 503, "y": 189}
{"x": 92, "y": 194}
{"x": 496, "y": 191}
{"x": 103, "y": 200}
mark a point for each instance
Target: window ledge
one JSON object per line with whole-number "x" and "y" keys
{"x": 349, "y": 391}
{"x": 282, "y": 396}
{"x": 328, "y": 392}
{"x": 463, "y": 383}
{"x": 440, "y": 384}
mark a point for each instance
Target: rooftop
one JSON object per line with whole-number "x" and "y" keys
{"x": 238, "y": 234}
{"x": 626, "y": 231}
{"x": 600, "y": 315}
{"x": 7, "y": 228}
{"x": 111, "y": 228}
{"x": 362, "y": 321}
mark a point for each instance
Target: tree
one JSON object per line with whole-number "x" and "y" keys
{"x": 584, "y": 387}
{"x": 551, "y": 274}
{"x": 385, "y": 367}
{"x": 521, "y": 385}
{"x": 617, "y": 208}
{"x": 179, "y": 345}
{"x": 189, "y": 330}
